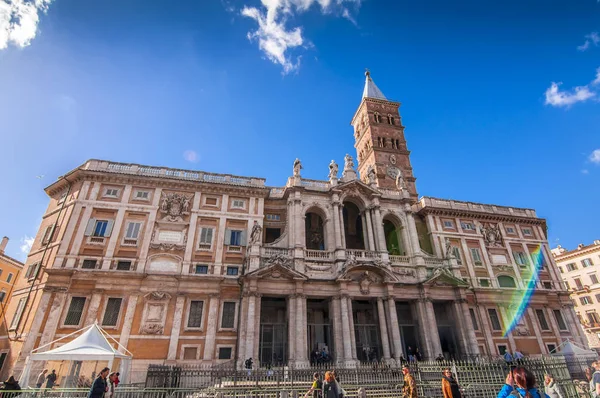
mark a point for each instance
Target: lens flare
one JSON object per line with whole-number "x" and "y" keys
{"x": 521, "y": 298}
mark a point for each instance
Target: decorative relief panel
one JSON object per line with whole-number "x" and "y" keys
{"x": 155, "y": 313}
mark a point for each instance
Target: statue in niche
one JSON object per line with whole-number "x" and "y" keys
{"x": 333, "y": 170}
{"x": 448, "y": 247}
{"x": 255, "y": 234}
{"x": 400, "y": 183}
{"x": 371, "y": 175}
{"x": 297, "y": 167}
{"x": 348, "y": 162}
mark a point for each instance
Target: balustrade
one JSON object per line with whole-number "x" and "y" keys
{"x": 399, "y": 259}
{"x": 317, "y": 254}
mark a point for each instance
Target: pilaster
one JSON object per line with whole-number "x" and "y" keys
{"x": 92, "y": 311}
{"x": 54, "y": 316}
{"x": 395, "y": 328}
{"x": 291, "y": 306}
{"x": 148, "y": 231}
{"x": 370, "y": 232}
{"x": 36, "y": 325}
{"x": 79, "y": 236}
{"x": 128, "y": 321}
{"x": 537, "y": 331}
{"x": 383, "y": 329}
{"x": 211, "y": 328}
{"x": 177, "y": 316}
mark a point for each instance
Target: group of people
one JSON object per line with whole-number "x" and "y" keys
{"x": 48, "y": 379}
{"x": 104, "y": 385}
{"x": 516, "y": 356}
{"x": 317, "y": 357}
{"x": 329, "y": 387}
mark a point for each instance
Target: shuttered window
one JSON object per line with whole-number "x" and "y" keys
{"x": 111, "y": 314}
{"x": 228, "y": 316}
{"x": 133, "y": 230}
{"x": 75, "y": 311}
{"x": 18, "y": 314}
{"x": 542, "y": 319}
{"x": 195, "y": 316}
{"x": 494, "y": 319}
{"x": 99, "y": 228}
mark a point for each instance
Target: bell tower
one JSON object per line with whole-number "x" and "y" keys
{"x": 379, "y": 141}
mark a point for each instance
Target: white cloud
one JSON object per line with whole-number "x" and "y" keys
{"x": 19, "y": 21}
{"x": 597, "y": 79}
{"x": 26, "y": 243}
{"x": 585, "y": 171}
{"x": 275, "y": 38}
{"x": 595, "y": 156}
{"x": 593, "y": 39}
{"x": 191, "y": 156}
{"x": 555, "y": 97}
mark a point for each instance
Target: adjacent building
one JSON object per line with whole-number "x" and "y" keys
{"x": 10, "y": 269}
{"x": 184, "y": 266}
{"x": 580, "y": 275}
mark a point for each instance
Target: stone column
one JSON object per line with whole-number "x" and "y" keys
{"x": 257, "y": 310}
{"x": 291, "y": 222}
{"x": 211, "y": 328}
{"x": 54, "y": 315}
{"x": 468, "y": 327}
{"x": 34, "y": 330}
{"x": 299, "y": 222}
{"x": 352, "y": 331}
{"x": 395, "y": 328}
{"x": 346, "y": 328}
{"x": 128, "y": 321}
{"x": 370, "y": 231}
{"x": 338, "y": 336}
{"x": 174, "y": 341}
{"x": 336, "y": 226}
{"x": 379, "y": 232}
{"x": 250, "y": 325}
{"x": 147, "y": 237}
{"x": 363, "y": 218}
{"x": 383, "y": 329}
{"x": 435, "y": 337}
{"x": 414, "y": 236}
{"x": 486, "y": 329}
{"x": 92, "y": 311}
{"x": 342, "y": 232}
{"x": 291, "y": 306}
{"x": 301, "y": 350}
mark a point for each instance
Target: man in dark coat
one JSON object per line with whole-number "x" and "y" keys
{"x": 99, "y": 387}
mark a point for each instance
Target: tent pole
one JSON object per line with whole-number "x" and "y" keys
{"x": 24, "y": 378}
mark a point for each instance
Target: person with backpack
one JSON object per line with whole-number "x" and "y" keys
{"x": 520, "y": 382}
{"x": 316, "y": 388}
{"x": 330, "y": 387}
{"x": 595, "y": 380}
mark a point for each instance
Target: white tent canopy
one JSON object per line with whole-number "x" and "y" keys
{"x": 91, "y": 345}
{"x": 568, "y": 348}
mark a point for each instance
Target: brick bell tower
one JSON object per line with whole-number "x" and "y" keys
{"x": 379, "y": 140}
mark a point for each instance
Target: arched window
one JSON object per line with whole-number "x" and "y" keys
{"x": 377, "y": 117}
{"x": 397, "y": 144}
{"x": 315, "y": 231}
{"x": 506, "y": 281}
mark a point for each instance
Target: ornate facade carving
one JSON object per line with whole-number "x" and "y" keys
{"x": 491, "y": 235}
{"x": 174, "y": 206}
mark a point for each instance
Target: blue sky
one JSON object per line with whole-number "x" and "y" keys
{"x": 242, "y": 87}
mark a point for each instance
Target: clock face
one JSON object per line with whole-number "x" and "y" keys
{"x": 393, "y": 171}
{"x": 393, "y": 159}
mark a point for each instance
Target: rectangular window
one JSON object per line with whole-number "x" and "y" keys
{"x": 89, "y": 264}
{"x": 238, "y": 204}
{"x": 224, "y": 352}
{"x": 502, "y": 349}
{"x": 190, "y": 352}
{"x": 494, "y": 319}
{"x": 32, "y": 271}
{"x": 571, "y": 267}
{"x": 195, "y": 316}
{"x": 273, "y": 217}
{"x": 551, "y": 348}
{"x": 232, "y": 270}
{"x": 211, "y": 201}
{"x": 593, "y": 278}
{"x": 100, "y": 228}
{"x": 123, "y": 265}
{"x": 111, "y": 192}
{"x": 510, "y": 231}
{"x": 206, "y": 238}
{"x": 578, "y": 283}
{"x": 111, "y": 313}
{"x": 547, "y": 285}
{"x": 467, "y": 226}
{"x": 201, "y": 269}
{"x": 562, "y": 325}
{"x": 473, "y": 319}
{"x": 133, "y": 230}
{"x": 448, "y": 224}
{"x": 483, "y": 282}
{"x": 527, "y": 232}
{"x": 476, "y": 254}
{"x": 142, "y": 195}
{"x": 235, "y": 238}
{"x": 9, "y": 277}
{"x": 520, "y": 258}
{"x": 587, "y": 262}
{"x": 585, "y": 300}
{"x": 228, "y": 316}
{"x": 2, "y": 296}
{"x": 48, "y": 234}
{"x": 542, "y": 319}
{"x": 593, "y": 317}
{"x": 75, "y": 311}
{"x": 18, "y": 314}
{"x": 456, "y": 254}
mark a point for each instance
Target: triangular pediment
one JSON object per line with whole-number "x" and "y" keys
{"x": 356, "y": 186}
{"x": 377, "y": 273}
{"x": 444, "y": 277}
{"x": 276, "y": 270}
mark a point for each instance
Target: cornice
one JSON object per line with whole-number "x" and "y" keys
{"x": 481, "y": 215}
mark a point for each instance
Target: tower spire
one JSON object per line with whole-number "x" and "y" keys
{"x": 371, "y": 90}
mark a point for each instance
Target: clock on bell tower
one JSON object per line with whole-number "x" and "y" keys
{"x": 379, "y": 141}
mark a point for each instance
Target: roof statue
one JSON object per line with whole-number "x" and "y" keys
{"x": 371, "y": 90}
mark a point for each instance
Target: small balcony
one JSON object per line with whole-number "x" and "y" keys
{"x": 363, "y": 255}
{"x": 398, "y": 260}
{"x": 591, "y": 325}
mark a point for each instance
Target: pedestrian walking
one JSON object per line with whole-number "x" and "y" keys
{"x": 99, "y": 386}
{"x": 111, "y": 385}
{"x": 409, "y": 390}
{"x": 521, "y": 382}
{"x": 12, "y": 388}
{"x": 330, "y": 389}
{"x": 551, "y": 387}
{"x": 341, "y": 391}
{"x": 41, "y": 378}
{"x": 51, "y": 379}
{"x": 316, "y": 388}
{"x": 450, "y": 387}
{"x": 595, "y": 380}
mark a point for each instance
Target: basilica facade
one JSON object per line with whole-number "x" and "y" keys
{"x": 184, "y": 266}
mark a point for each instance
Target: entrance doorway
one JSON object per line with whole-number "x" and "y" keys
{"x": 320, "y": 342}
{"x": 273, "y": 343}
{"x": 408, "y": 328}
{"x": 444, "y": 315}
{"x": 366, "y": 330}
